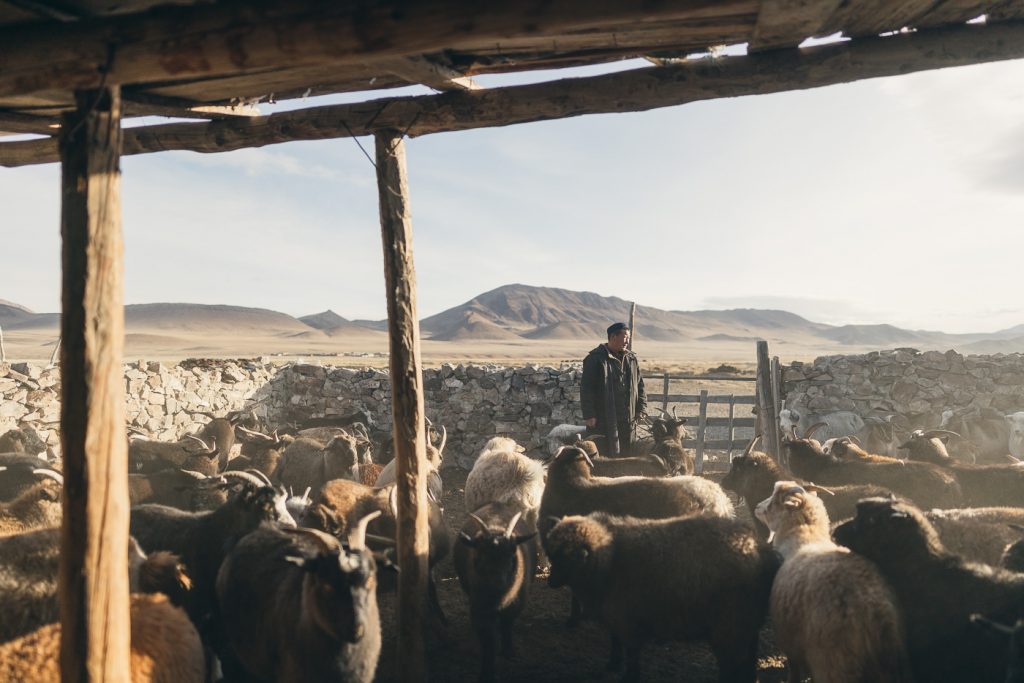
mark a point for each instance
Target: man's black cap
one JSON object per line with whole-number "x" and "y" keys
{"x": 615, "y": 328}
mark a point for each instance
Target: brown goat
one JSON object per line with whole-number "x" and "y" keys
{"x": 165, "y": 648}
{"x": 983, "y": 485}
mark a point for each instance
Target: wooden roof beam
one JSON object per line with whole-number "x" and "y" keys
{"x": 15, "y": 123}
{"x": 637, "y": 90}
{"x": 230, "y": 38}
{"x": 786, "y": 23}
{"x": 429, "y": 72}
{"x": 140, "y": 103}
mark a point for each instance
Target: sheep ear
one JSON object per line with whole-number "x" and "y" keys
{"x": 793, "y": 502}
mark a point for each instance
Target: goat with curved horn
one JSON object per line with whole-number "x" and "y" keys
{"x": 262, "y": 477}
{"x": 212, "y": 448}
{"x": 938, "y": 433}
{"x": 243, "y": 476}
{"x": 357, "y": 537}
{"x": 327, "y": 543}
{"x": 512, "y": 524}
{"x": 813, "y": 428}
{"x": 52, "y": 474}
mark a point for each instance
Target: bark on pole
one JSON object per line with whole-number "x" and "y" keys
{"x": 767, "y": 417}
{"x": 94, "y": 535}
{"x": 632, "y": 318}
{"x": 406, "y": 402}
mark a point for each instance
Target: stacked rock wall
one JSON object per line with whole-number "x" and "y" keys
{"x": 167, "y": 401}
{"x": 907, "y": 382}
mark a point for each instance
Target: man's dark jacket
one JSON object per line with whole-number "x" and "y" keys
{"x": 597, "y": 396}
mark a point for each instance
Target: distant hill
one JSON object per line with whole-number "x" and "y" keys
{"x": 519, "y": 313}
{"x": 324, "y": 321}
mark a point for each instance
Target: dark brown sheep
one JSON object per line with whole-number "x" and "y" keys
{"x": 983, "y": 485}
{"x": 495, "y": 557}
{"x": 297, "y": 606}
{"x": 937, "y": 592}
{"x": 37, "y": 507}
{"x": 926, "y": 484}
{"x": 752, "y": 476}
{"x": 632, "y": 576}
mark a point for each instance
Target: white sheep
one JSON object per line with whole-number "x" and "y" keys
{"x": 560, "y": 435}
{"x": 501, "y": 474}
{"x": 834, "y": 615}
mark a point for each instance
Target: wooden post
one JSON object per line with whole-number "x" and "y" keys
{"x": 769, "y": 422}
{"x": 732, "y": 428}
{"x": 702, "y": 423}
{"x": 93, "y": 579}
{"x": 53, "y": 356}
{"x": 664, "y": 392}
{"x": 776, "y": 376}
{"x": 3, "y": 352}
{"x": 406, "y": 403}
{"x": 632, "y": 317}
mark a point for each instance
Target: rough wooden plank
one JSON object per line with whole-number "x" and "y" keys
{"x": 732, "y": 425}
{"x": 632, "y": 319}
{"x": 776, "y": 396}
{"x": 227, "y": 38}
{"x": 93, "y": 565}
{"x": 741, "y": 422}
{"x": 701, "y": 430}
{"x": 786, "y": 23}
{"x": 419, "y": 69}
{"x": 637, "y": 90}
{"x": 13, "y": 122}
{"x": 140, "y": 103}
{"x": 695, "y": 398}
{"x": 870, "y": 17}
{"x": 665, "y": 395}
{"x": 406, "y": 402}
{"x": 954, "y": 12}
{"x": 716, "y": 445}
{"x": 768, "y": 420}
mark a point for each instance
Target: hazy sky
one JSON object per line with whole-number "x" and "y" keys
{"x": 894, "y": 200}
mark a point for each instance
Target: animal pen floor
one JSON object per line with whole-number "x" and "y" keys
{"x": 546, "y": 649}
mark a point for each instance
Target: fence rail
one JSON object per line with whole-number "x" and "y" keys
{"x": 701, "y": 421}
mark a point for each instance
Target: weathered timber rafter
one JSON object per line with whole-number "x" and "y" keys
{"x": 637, "y": 90}
{"x": 785, "y": 23}
{"x": 138, "y": 103}
{"x": 430, "y": 73}
{"x": 14, "y": 122}
{"x": 227, "y": 39}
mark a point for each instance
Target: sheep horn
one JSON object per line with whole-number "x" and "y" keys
{"x": 482, "y": 523}
{"x": 934, "y": 433}
{"x": 357, "y": 537}
{"x": 52, "y": 474}
{"x": 1016, "y": 527}
{"x": 587, "y": 458}
{"x": 393, "y": 500}
{"x": 819, "y": 489}
{"x": 329, "y": 544}
{"x": 994, "y": 625}
{"x": 813, "y": 428}
{"x": 3, "y": 468}
{"x": 305, "y": 494}
{"x": 382, "y": 540}
{"x": 264, "y": 478}
{"x": 244, "y": 476}
{"x": 251, "y": 432}
{"x": 512, "y": 525}
{"x": 853, "y": 438}
{"x": 662, "y": 411}
{"x": 444, "y": 440}
{"x": 750, "y": 446}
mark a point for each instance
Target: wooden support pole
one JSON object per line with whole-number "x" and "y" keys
{"x": 776, "y": 395}
{"x": 3, "y": 352}
{"x": 406, "y": 403}
{"x": 732, "y": 426}
{"x": 664, "y": 392}
{"x": 93, "y": 576}
{"x": 768, "y": 422}
{"x": 702, "y": 425}
{"x": 632, "y": 319}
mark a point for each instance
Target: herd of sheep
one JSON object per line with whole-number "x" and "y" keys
{"x": 258, "y": 555}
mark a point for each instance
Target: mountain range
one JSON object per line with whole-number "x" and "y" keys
{"x": 521, "y": 313}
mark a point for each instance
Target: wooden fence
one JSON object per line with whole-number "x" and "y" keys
{"x": 767, "y": 397}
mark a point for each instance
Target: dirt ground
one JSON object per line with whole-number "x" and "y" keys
{"x": 546, "y": 649}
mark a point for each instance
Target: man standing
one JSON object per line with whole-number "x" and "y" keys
{"x": 612, "y": 392}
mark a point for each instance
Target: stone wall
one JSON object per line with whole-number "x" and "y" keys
{"x": 473, "y": 402}
{"x": 168, "y": 401}
{"x": 163, "y": 401}
{"x": 907, "y": 382}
